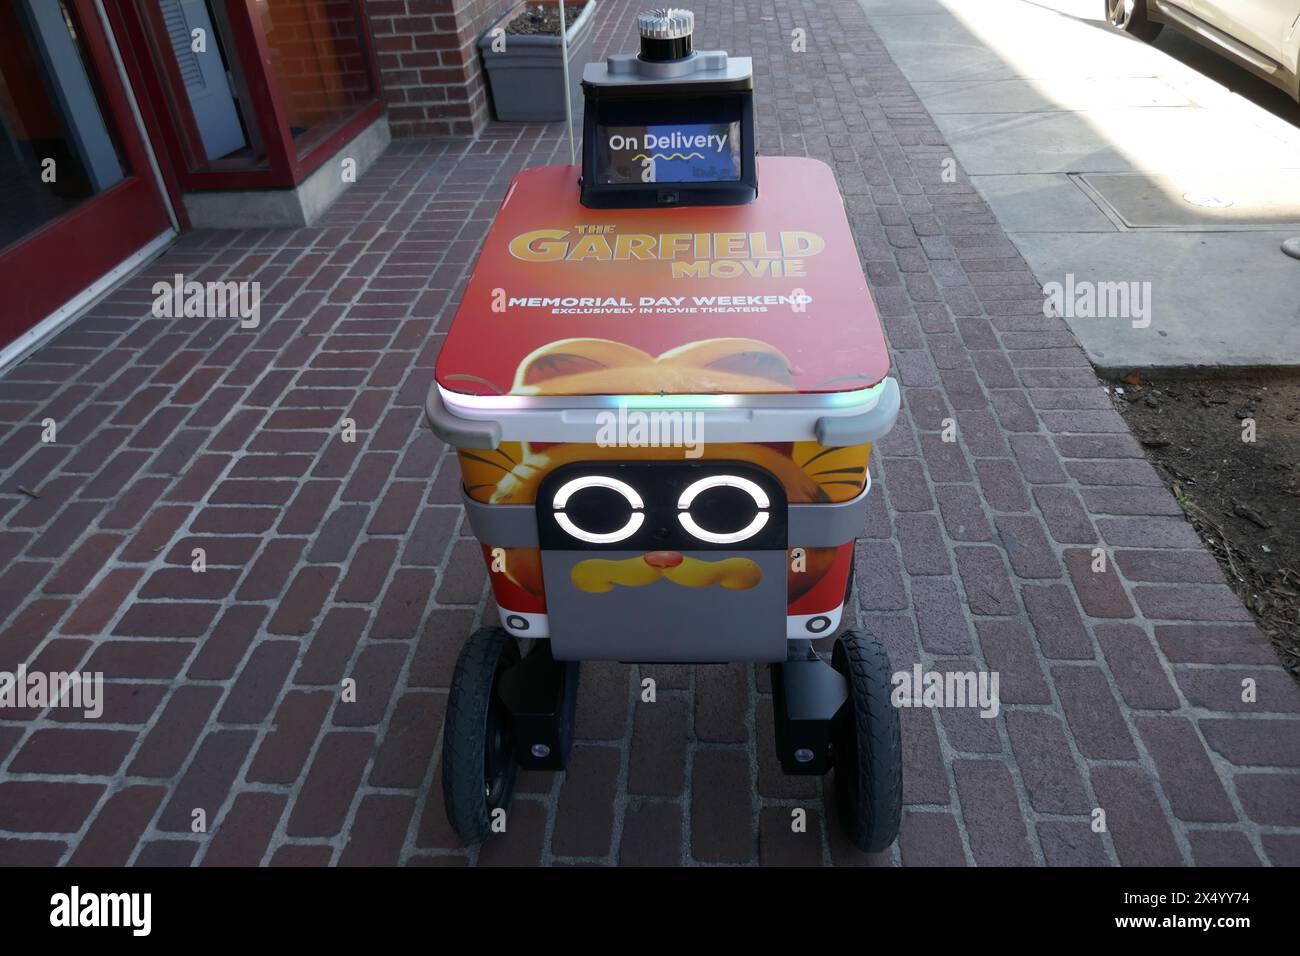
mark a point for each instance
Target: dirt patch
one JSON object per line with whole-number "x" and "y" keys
{"x": 538, "y": 20}
{"x": 1242, "y": 496}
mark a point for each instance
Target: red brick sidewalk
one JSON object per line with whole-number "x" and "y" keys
{"x": 327, "y": 560}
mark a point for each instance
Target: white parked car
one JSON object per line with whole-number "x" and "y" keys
{"x": 1261, "y": 35}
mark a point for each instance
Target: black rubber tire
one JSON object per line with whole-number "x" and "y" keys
{"x": 867, "y": 745}
{"x": 1135, "y": 23}
{"x": 475, "y": 780}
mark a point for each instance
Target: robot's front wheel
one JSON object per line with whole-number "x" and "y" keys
{"x": 867, "y": 745}
{"x": 478, "y": 760}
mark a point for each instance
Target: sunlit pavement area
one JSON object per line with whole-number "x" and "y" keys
{"x": 1117, "y": 161}
{"x": 1123, "y": 736}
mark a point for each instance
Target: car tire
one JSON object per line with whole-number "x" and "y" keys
{"x": 1131, "y": 17}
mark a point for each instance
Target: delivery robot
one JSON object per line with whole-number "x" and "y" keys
{"x": 663, "y": 385}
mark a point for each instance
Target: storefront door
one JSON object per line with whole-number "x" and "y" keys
{"x": 80, "y": 197}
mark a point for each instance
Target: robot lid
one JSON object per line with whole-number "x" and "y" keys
{"x": 766, "y": 301}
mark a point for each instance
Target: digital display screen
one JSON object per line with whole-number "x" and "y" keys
{"x": 681, "y": 140}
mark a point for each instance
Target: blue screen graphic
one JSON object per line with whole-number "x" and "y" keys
{"x": 671, "y": 153}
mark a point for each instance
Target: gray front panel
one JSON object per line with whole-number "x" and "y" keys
{"x": 665, "y": 621}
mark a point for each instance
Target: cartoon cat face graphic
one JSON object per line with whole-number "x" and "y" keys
{"x": 514, "y": 472}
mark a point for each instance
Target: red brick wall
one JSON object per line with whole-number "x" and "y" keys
{"x": 429, "y": 63}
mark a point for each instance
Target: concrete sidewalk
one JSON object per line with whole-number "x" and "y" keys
{"x": 1099, "y": 155}
{"x": 1121, "y": 691}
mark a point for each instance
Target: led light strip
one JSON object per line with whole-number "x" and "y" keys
{"x": 685, "y": 402}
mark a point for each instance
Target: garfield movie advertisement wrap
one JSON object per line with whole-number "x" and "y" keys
{"x": 662, "y": 300}
{"x": 745, "y": 300}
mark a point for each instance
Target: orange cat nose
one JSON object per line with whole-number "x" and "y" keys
{"x": 663, "y": 559}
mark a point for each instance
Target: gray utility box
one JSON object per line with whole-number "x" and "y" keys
{"x": 527, "y": 77}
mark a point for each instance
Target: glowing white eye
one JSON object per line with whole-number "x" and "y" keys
{"x": 750, "y": 488}
{"x": 723, "y": 481}
{"x": 570, "y": 488}
{"x": 629, "y": 529}
{"x": 703, "y": 534}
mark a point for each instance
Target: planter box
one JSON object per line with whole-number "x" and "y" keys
{"x": 527, "y": 77}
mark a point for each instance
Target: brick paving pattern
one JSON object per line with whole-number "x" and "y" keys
{"x": 1121, "y": 690}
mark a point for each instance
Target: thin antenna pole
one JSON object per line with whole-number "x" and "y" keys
{"x": 568, "y": 101}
